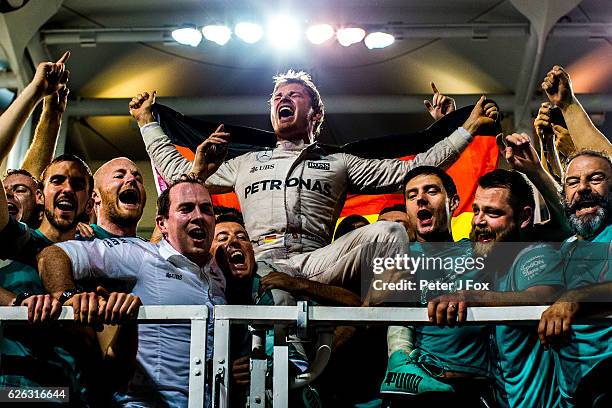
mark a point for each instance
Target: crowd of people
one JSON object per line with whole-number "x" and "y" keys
{"x": 70, "y": 239}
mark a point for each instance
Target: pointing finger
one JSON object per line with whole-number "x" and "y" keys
{"x": 64, "y": 57}
{"x": 433, "y": 88}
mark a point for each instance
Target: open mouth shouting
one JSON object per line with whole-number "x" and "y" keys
{"x": 66, "y": 205}
{"x": 129, "y": 198}
{"x": 13, "y": 209}
{"x": 484, "y": 235}
{"x": 425, "y": 218}
{"x": 236, "y": 259}
{"x": 586, "y": 206}
{"x": 197, "y": 234}
{"x": 286, "y": 111}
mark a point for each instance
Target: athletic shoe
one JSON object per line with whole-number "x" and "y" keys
{"x": 414, "y": 374}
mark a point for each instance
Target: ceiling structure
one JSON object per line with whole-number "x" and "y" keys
{"x": 501, "y": 48}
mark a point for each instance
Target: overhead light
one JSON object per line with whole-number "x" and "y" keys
{"x": 379, "y": 40}
{"x": 187, "y": 36}
{"x": 283, "y": 32}
{"x": 350, "y": 35}
{"x": 250, "y": 33}
{"x": 219, "y": 34}
{"x": 318, "y": 34}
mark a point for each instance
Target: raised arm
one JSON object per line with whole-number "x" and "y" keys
{"x": 549, "y": 152}
{"x": 371, "y": 176}
{"x": 440, "y": 105}
{"x": 48, "y": 79}
{"x": 558, "y": 87}
{"x": 521, "y": 156}
{"x": 40, "y": 152}
{"x": 170, "y": 162}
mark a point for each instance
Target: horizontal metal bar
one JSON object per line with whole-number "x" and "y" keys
{"x": 320, "y": 314}
{"x": 369, "y": 315}
{"x": 334, "y": 104}
{"x": 419, "y": 314}
{"x": 256, "y": 314}
{"x": 146, "y": 313}
{"x": 411, "y": 31}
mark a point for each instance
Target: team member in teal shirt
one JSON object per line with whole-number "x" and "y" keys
{"x": 26, "y": 361}
{"x": 522, "y": 274}
{"x": 458, "y": 355}
{"x": 583, "y": 353}
{"x": 67, "y": 188}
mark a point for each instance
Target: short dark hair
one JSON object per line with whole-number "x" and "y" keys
{"x": 163, "y": 201}
{"x": 24, "y": 172}
{"x": 227, "y": 214}
{"x": 447, "y": 181}
{"x": 66, "y": 157}
{"x": 521, "y": 193}
{"x": 396, "y": 207}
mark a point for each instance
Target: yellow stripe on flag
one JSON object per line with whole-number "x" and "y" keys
{"x": 461, "y": 224}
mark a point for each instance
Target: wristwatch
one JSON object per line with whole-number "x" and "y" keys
{"x": 67, "y": 295}
{"x": 20, "y": 298}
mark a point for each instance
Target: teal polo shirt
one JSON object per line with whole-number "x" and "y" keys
{"x": 524, "y": 369}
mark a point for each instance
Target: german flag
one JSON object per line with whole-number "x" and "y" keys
{"x": 480, "y": 157}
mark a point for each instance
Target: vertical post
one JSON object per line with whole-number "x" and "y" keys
{"x": 280, "y": 380}
{"x": 220, "y": 373}
{"x": 197, "y": 364}
{"x": 259, "y": 366}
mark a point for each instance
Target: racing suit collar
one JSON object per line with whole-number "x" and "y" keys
{"x": 291, "y": 144}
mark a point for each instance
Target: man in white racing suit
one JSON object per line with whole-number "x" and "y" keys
{"x": 291, "y": 196}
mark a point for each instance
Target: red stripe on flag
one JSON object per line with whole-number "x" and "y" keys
{"x": 478, "y": 158}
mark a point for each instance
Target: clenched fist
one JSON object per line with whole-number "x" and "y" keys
{"x": 558, "y": 87}
{"x": 140, "y": 107}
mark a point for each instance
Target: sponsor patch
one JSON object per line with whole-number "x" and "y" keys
{"x": 319, "y": 186}
{"x": 111, "y": 242}
{"x": 318, "y": 165}
{"x": 262, "y": 167}
{"x": 176, "y": 276}
{"x": 264, "y": 156}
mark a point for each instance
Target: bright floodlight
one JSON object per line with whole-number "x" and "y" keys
{"x": 217, "y": 33}
{"x": 379, "y": 40}
{"x": 283, "y": 32}
{"x": 187, "y": 36}
{"x": 318, "y": 34}
{"x": 250, "y": 33}
{"x": 350, "y": 35}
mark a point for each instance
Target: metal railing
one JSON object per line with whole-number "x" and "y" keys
{"x": 301, "y": 317}
{"x": 197, "y": 315}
